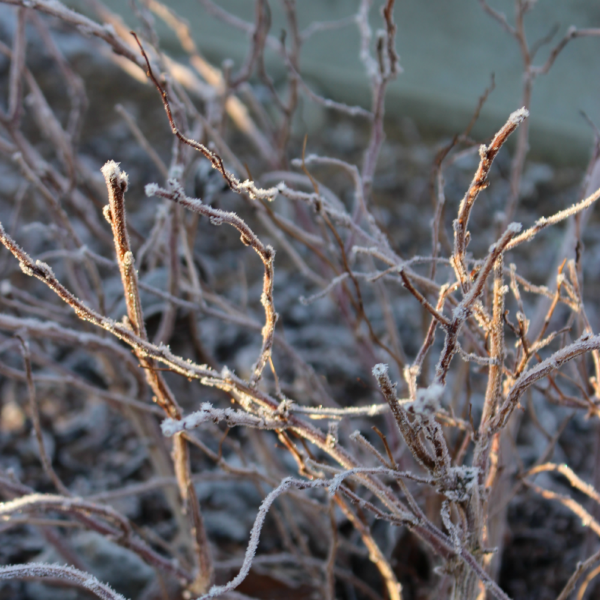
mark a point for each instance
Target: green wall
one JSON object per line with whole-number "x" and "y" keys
{"x": 448, "y": 50}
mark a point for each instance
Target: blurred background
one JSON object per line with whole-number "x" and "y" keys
{"x": 448, "y": 50}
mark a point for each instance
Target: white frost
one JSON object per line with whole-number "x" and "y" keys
{"x": 518, "y": 116}
{"x": 151, "y": 189}
{"x": 379, "y": 370}
{"x": 112, "y": 172}
{"x": 428, "y": 399}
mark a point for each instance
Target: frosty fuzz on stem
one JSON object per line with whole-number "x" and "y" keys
{"x": 65, "y": 573}
{"x": 112, "y": 172}
{"x": 428, "y": 400}
{"x": 518, "y": 116}
{"x": 209, "y": 414}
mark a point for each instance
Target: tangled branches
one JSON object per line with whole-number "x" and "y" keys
{"x": 456, "y": 454}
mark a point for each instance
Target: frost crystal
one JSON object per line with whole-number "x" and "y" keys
{"x": 459, "y": 483}
{"x": 44, "y": 266}
{"x": 112, "y": 172}
{"x": 518, "y": 116}
{"x": 151, "y": 189}
{"x": 379, "y": 370}
{"x": 355, "y": 435}
{"x": 428, "y": 400}
{"x": 170, "y": 427}
{"x": 26, "y": 269}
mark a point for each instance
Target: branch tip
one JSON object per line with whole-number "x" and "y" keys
{"x": 380, "y": 370}
{"x": 112, "y": 172}
{"x": 518, "y": 116}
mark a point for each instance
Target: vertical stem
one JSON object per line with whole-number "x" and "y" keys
{"x": 466, "y": 584}
{"x": 116, "y": 183}
{"x": 493, "y": 394}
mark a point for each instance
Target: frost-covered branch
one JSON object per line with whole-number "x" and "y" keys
{"x": 65, "y": 574}
{"x": 229, "y": 416}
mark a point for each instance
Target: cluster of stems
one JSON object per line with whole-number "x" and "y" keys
{"x": 433, "y": 452}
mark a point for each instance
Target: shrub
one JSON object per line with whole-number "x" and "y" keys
{"x": 147, "y": 288}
